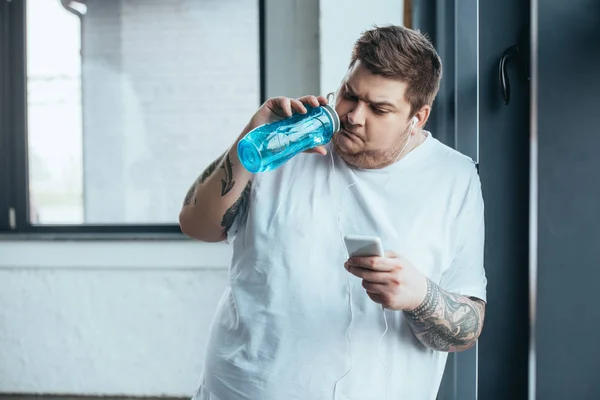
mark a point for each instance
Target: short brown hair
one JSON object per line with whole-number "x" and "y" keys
{"x": 405, "y": 55}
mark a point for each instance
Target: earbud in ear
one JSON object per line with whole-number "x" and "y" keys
{"x": 415, "y": 121}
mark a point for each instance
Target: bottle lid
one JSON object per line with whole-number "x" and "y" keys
{"x": 249, "y": 156}
{"x": 332, "y": 113}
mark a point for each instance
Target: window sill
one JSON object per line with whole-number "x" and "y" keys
{"x": 94, "y": 236}
{"x": 111, "y": 253}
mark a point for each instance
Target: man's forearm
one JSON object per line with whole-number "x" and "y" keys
{"x": 190, "y": 197}
{"x": 215, "y": 198}
{"x": 447, "y": 321}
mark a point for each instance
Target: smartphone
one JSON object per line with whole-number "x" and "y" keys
{"x": 363, "y": 246}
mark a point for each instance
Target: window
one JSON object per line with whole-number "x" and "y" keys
{"x": 125, "y": 102}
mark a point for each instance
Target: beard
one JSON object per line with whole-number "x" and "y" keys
{"x": 354, "y": 150}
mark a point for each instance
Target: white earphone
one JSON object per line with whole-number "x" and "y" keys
{"x": 415, "y": 120}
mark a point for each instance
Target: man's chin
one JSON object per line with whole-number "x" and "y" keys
{"x": 345, "y": 145}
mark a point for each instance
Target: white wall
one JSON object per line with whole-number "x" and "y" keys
{"x": 341, "y": 23}
{"x": 131, "y": 317}
{"x": 106, "y": 317}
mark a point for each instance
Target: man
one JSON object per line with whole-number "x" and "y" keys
{"x": 299, "y": 319}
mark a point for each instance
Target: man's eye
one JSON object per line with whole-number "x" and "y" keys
{"x": 380, "y": 111}
{"x": 349, "y": 96}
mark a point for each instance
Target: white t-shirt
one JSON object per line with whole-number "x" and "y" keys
{"x": 281, "y": 328}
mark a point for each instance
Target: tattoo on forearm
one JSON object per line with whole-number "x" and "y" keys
{"x": 210, "y": 169}
{"x": 190, "y": 194}
{"x": 447, "y": 321}
{"x": 189, "y": 197}
{"x": 240, "y": 205}
{"x": 227, "y": 183}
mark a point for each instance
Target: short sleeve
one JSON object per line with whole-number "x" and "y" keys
{"x": 466, "y": 275}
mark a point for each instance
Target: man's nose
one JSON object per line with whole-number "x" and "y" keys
{"x": 356, "y": 116}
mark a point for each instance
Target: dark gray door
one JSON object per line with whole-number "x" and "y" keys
{"x": 504, "y": 171}
{"x": 568, "y": 268}
{"x": 453, "y": 27}
{"x": 470, "y": 115}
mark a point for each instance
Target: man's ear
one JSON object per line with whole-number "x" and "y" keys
{"x": 423, "y": 115}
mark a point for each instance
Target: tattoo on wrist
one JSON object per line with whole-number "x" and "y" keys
{"x": 446, "y": 321}
{"x": 428, "y": 306}
{"x": 227, "y": 183}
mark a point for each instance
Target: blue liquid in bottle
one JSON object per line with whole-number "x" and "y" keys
{"x": 271, "y": 145}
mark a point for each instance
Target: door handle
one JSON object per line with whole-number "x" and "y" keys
{"x": 509, "y": 54}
